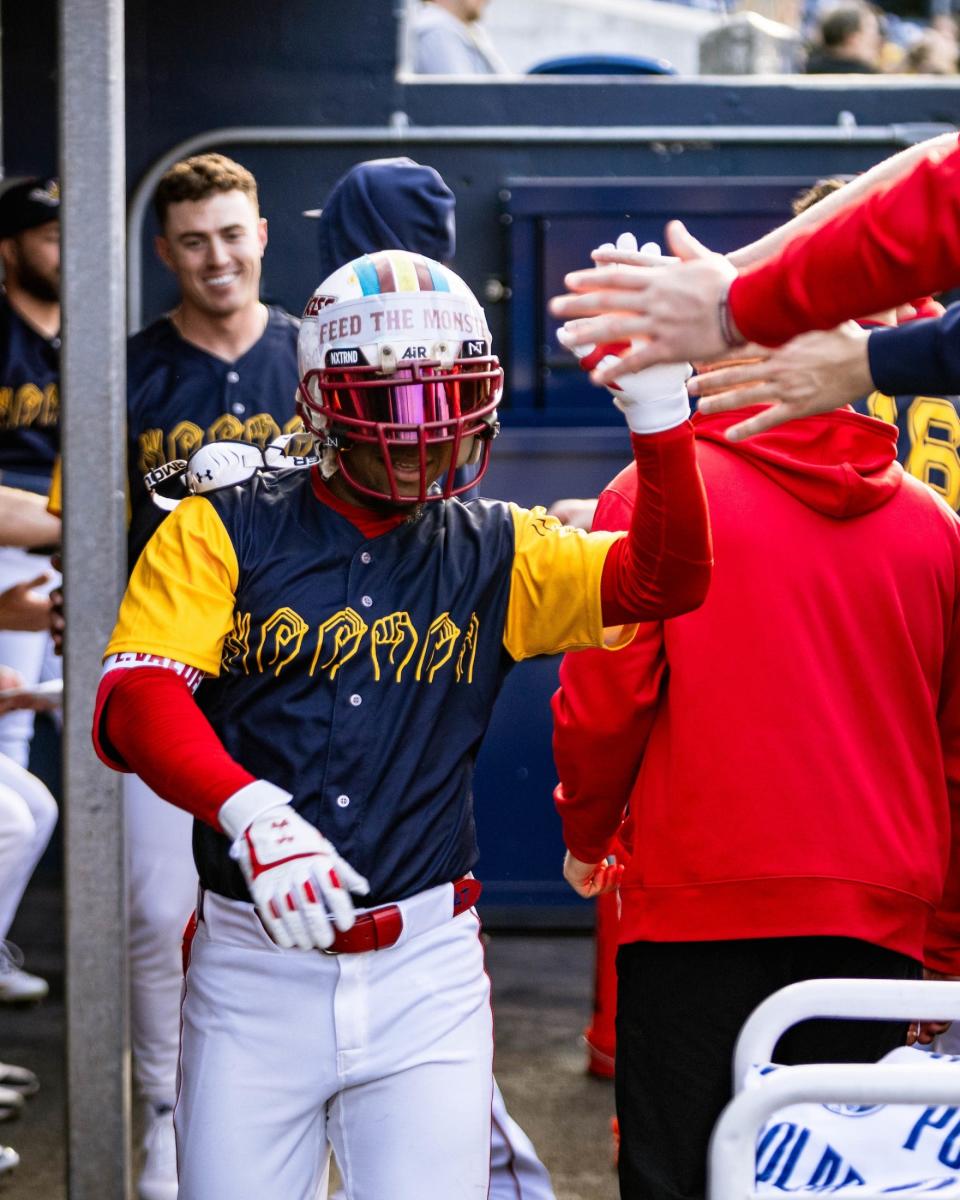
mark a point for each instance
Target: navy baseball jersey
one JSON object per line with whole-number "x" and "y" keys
{"x": 928, "y": 445}
{"x": 29, "y": 401}
{"x": 359, "y": 673}
{"x": 179, "y": 396}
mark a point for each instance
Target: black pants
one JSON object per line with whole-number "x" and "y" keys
{"x": 680, "y": 1007}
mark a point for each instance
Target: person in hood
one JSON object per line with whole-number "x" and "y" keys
{"x": 386, "y": 204}
{"x": 783, "y": 766}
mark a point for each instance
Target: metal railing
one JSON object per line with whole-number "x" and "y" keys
{"x": 401, "y": 134}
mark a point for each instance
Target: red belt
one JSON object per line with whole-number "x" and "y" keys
{"x": 381, "y": 927}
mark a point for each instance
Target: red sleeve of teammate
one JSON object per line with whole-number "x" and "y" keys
{"x": 602, "y": 714}
{"x": 147, "y": 721}
{"x": 903, "y": 240}
{"x": 662, "y": 568}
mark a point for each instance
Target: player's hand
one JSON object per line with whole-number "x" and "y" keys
{"x": 300, "y": 885}
{"x": 23, "y": 608}
{"x": 814, "y": 373}
{"x": 669, "y": 314}
{"x": 578, "y": 513}
{"x": 651, "y": 400}
{"x": 923, "y": 1032}
{"x": 592, "y": 879}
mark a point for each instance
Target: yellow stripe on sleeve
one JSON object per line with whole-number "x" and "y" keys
{"x": 180, "y": 599}
{"x": 555, "y": 587}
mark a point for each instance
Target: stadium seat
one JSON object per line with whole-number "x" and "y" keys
{"x": 603, "y": 64}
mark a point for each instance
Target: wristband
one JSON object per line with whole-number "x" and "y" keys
{"x": 728, "y": 330}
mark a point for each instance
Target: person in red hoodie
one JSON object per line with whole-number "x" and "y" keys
{"x": 788, "y": 757}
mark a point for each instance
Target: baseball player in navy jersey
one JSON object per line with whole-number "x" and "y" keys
{"x": 29, "y": 411}
{"x": 220, "y": 366}
{"x": 345, "y": 629}
{"x": 396, "y": 203}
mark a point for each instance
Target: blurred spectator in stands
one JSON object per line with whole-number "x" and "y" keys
{"x": 447, "y": 39}
{"x": 933, "y": 53}
{"x": 849, "y": 39}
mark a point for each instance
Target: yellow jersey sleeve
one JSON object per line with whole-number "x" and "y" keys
{"x": 555, "y": 588}
{"x": 180, "y": 599}
{"x": 55, "y": 494}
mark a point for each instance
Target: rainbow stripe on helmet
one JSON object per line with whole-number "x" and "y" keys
{"x": 398, "y": 271}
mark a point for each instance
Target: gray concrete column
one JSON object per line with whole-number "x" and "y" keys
{"x": 93, "y": 428}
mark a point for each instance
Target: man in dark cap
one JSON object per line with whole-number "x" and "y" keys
{"x": 399, "y": 204}
{"x": 29, "y": 412}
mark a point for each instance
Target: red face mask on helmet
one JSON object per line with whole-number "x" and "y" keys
{"x": 395, "y": 353}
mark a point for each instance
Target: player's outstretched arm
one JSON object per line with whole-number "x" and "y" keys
{"x": 814, "y": 373}
{"x": 662, "y": 568}
{"x": 147, "y": 721}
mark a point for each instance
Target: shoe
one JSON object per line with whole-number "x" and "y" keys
{"x": 19, "y": 1079}
{"x": 11, "y": 1104}
{"x": 9, "y": 1159}
{"x": 158, "y": 1180}
{"x": 16, "y": 985}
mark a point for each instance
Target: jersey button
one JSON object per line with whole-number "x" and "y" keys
{"x": 366, "y": 557}
{"x": 343, "y": 801}
{"x": 238, "y": 408}
{"x": 356, "y": 700}
{"x": 233, "y": 377}
{"x": 366, "y": 601}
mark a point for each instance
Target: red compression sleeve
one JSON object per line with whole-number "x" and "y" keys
{"x": 148, "y": 721}
{"x": 903, "y": 240}
{"x": 662, "y": 567}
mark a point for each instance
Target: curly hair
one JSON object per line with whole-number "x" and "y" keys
{"x": 201, "y": 176}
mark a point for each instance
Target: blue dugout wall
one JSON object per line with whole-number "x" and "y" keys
{"x": 543, "y": 169}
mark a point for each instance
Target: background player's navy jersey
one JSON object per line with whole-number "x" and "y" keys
{"x": 29, "y": 401}
{"x": 928, "y": 445}
{"x": 179, "y": 396}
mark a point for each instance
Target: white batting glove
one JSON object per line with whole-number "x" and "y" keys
{"x": 653, "y": 399}
{"x": 299, "y": 884}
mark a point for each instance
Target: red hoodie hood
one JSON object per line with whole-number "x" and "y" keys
{"x": 841, "y": 464}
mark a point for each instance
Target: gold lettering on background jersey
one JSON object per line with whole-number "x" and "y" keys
{"x": 183, "y": 439}
{"x": 261, "y": 430}
{"x": 152, "y": 453}
{"x": 294, "y": 425}
{"x": 236, "y": 645}
{"x": 26, "y": 405}
{"x": 284, "y": 631}
{"x": 6, "y": 403}
{"x": 226, "y": 428}
{"x": 468, "y": 649}
{"x": 437, "y": 646}
{"x": 50, "y": 409}
{"x": 395, "y": 631}
{"x": 338, "y": 639}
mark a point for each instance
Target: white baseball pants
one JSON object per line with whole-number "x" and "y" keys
{"x": 28, "y": 814}
{"x": 162, "y": 893}
{"x": 388, "y": 1054}
{"x": 29, "y": 653}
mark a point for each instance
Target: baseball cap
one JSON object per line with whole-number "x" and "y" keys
{"x": 27, "y": 204}
{"x": 386, "y": 204}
